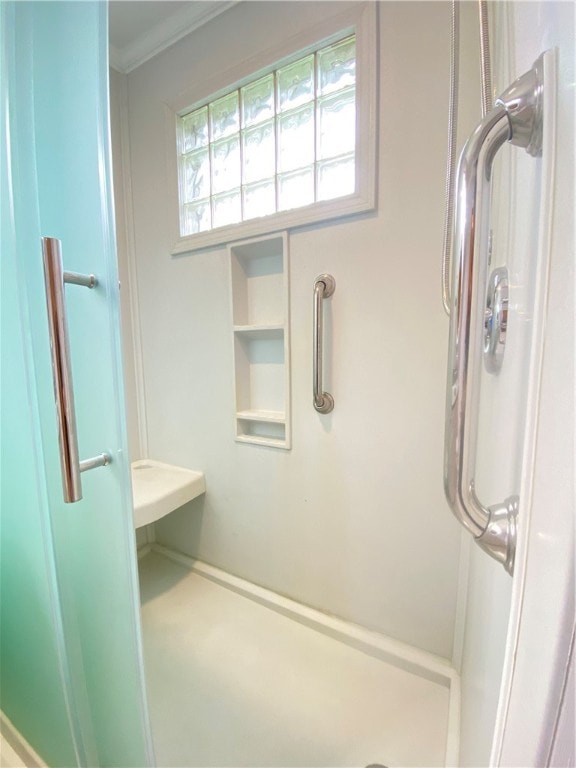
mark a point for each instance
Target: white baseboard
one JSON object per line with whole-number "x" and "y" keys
{"x": 143, "y": 551}
{"x": 380, "y": 646}
{"x": 15, "y": 752}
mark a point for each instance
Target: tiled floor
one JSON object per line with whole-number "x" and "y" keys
{"x": 233, "y": 683}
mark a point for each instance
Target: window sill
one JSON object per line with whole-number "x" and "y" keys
{"x": 298, "y": 217}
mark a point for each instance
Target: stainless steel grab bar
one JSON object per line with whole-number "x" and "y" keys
{"x": 324, "y": 287}
{"x": 517, "y": 118}
{"x": 54, "y": 278}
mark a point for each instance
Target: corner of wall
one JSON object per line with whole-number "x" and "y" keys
{"x": 131, "y": 339}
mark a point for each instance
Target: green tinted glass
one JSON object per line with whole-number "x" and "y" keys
{"x": 92, "y": 541}
{"x": 32, "y": 655}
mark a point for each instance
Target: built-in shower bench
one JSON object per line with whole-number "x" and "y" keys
{"x": 158, "y": 489}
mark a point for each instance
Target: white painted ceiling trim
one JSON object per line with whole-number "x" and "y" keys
{"x": 163, "y": 35}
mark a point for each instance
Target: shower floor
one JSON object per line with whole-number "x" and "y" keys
{"x": 234, "y": 683}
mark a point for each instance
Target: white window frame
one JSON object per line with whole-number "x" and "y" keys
{"x": 360, "y": 20}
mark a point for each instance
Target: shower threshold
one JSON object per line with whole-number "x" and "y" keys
{"x": 232, "y": 682}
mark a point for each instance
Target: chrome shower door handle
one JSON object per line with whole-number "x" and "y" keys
{"x": 54, "y": 279}
{"x": 324, "y": 287}
{"x": 517, "y": 118}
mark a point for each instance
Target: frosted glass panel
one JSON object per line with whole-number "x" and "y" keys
{"x": 296, "y": 138}
{"x": 295, "y": 84}
{"x": 258, "y": 101}
{"x": 225, "y": 164}
{"x": 258, "y": 152}
{"x": 337, "y": 66}
{"x": 336, "y": 178}
{"x": 195, "y": 130}
{"x": 32, "y": 655}
{"x": 337, "y": 124}
{"x": 295, "y": 189}
{"x": 224, "y": 117}
{"x": 226, "y": 208}
{"x": 198, "y": 217}
{"x": 91, "y": 542}
{"x": 259, "y": 199}
{"x": 197, "y": 176}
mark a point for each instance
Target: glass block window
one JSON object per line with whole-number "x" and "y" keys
{"x": 283, "y": 141}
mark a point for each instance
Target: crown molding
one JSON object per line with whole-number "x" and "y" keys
{"x": 163, "y": 35}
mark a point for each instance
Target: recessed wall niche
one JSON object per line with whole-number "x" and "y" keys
{"x": 261, "y": 330}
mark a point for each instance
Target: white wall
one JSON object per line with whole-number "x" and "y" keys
{"x": 352, "y": 520}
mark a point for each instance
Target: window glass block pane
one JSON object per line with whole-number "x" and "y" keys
{"x": 196, "y": 175}
{"x": 258, "y": 152}
{"x": 295, "y": 84}
{"x": 295, "y": 189}
{"x": 337, "y": 66}
{"x": 226, "y": 208}
{"x": 195, "y": 130}
{"x": 258, "y": 101}
{"x": 259, "y": 199}
{"x": 336, "y": 178}
{"x": 197, "y": 217}
{"x": 337, "y": 124}
{"x": 296, "y": 138}
{"x": 225, "y": 164}
{"x": 280, "y": 142}
{"x": 224, "y": 117}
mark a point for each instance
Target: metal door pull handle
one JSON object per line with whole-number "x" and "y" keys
{"x": 324, "y": 287}
{"x": 517, "y": 118}
{"x": 54, "y": 278}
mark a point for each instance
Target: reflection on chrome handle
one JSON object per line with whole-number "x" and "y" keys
{"x": 517, "y": 118}
{"x": 54, "y": 278}
{"x": 324, "y": 287}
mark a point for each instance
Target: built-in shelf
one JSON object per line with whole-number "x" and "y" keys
{"x": 260, "y": 331}
{"x": 277, "y": 417}
{"x": 159, "y": 488}
{"x": 270, "y": 437}
{"x": 260, "y": 325}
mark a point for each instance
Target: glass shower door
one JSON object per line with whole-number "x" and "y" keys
{"x": 56, "y": 83}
